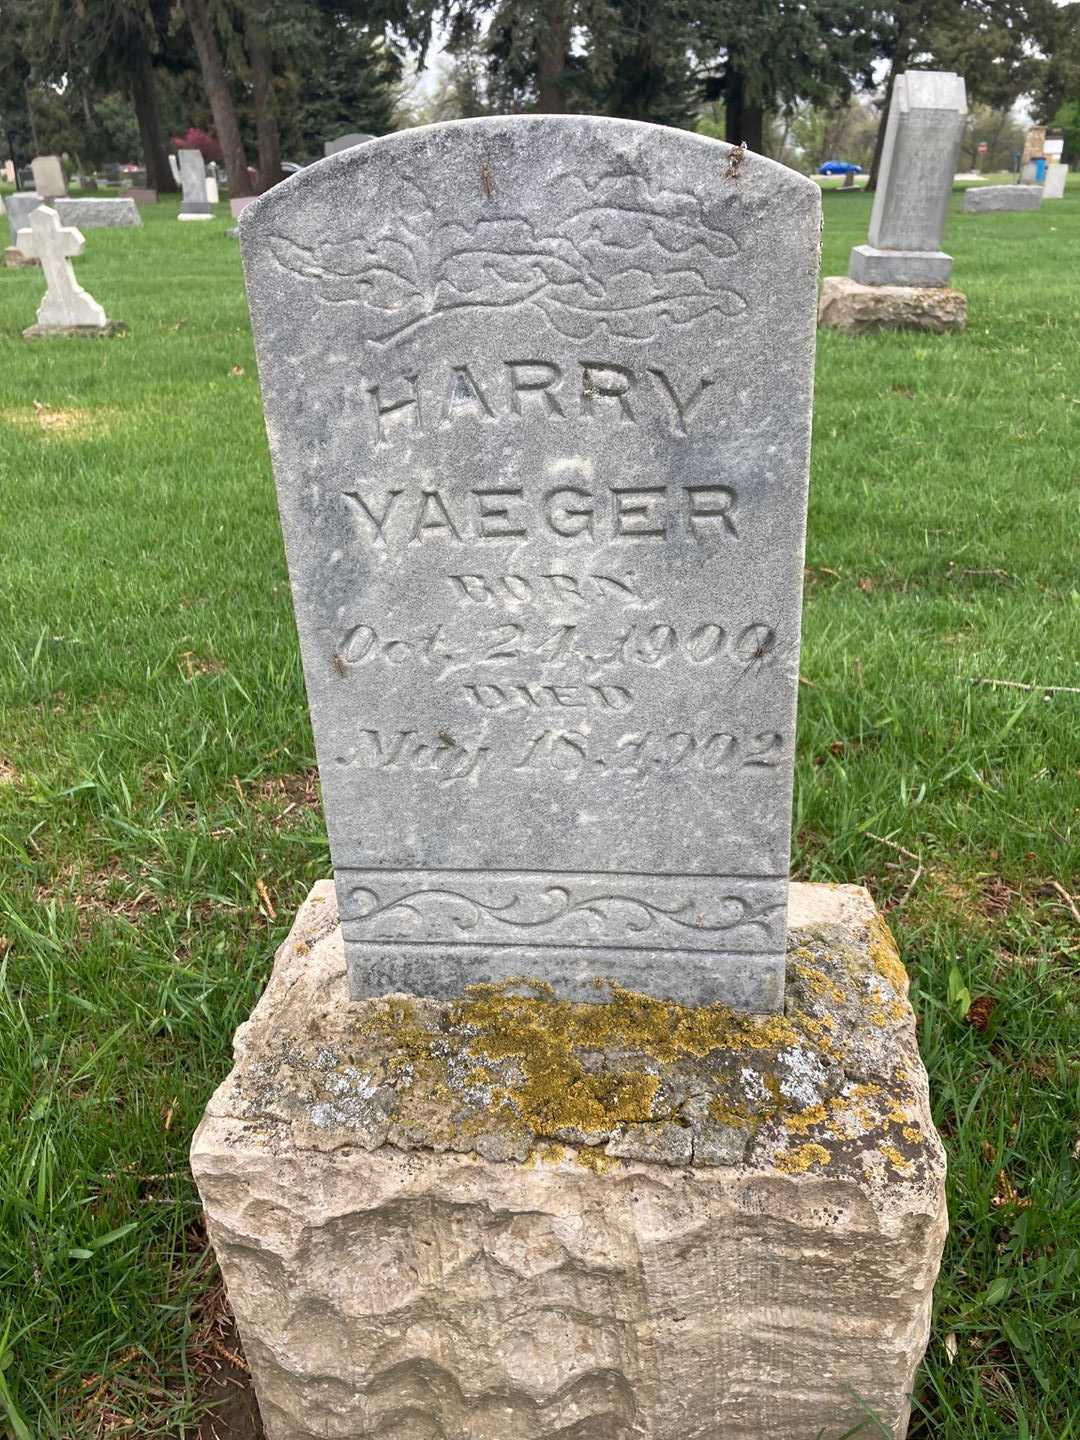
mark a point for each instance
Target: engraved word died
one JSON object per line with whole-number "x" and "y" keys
{"x": 538, "y": 395}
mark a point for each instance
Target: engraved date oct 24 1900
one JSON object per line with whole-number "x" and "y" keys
{"x": 511, "y": 644}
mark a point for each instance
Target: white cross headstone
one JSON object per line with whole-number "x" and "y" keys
{"x": 66, "y": 305}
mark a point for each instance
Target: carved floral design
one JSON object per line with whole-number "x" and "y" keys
{"x": 612, "y": 914}
{"x": 620, "y": 256}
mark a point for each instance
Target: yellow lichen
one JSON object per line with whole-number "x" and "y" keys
{"x": 797, "y": 1162}
{"x": 804, "y": 1120}
{"x": 596, "y": 1160}
{"x": 894, "y": 1157}
{"x": 885, "y": 957}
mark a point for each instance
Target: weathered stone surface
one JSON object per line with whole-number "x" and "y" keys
{"x": 1054, "y": 185}
{"x": 114, "y": 214}
{"x": 538, "y": 397}
{"x": 983, "y": 198}
{"x": 899, "y": 267}
{"x": 345, "y": 142}
{"x": 48, "y": 172}
{"x": 922, "y": 142}
{"x": 66, "y": 307}
{"x": 918, "y": 161}
{"x": 746, "y": 1240}
{"x": 195, "y": 204}
{"x": 847, "y": 305}
{"x": 142, "y": 195}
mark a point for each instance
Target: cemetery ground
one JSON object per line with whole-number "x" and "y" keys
{"x": 160, "y": 821}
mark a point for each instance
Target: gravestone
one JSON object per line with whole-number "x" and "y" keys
{"x": 212, "y": 193}
{"x": 195, "y": 204}
{"x": 48, "y": 176}
{"x": 538, "y": 400}
{"x": 67, "y": 308}
{"x": 143, "y": 195}
{"x": 981, "y": 199}
{"x": 1054, "y": 184}
{"x": 922, "y": 143}
{"x": 345, "y": 142}
{"x": 537, "y": 391}
{"x": 84, "y": 214}
{"x": 174, "y": 166}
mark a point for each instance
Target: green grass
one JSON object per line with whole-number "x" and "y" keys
{"x": 150, "y": 695}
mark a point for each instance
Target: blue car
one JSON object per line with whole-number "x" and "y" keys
{"x": 840, "y": 167}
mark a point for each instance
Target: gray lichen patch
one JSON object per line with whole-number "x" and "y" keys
{"x": 834, "y": 1085}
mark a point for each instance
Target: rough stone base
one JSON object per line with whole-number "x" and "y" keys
{"x": 90, "y": 332}
{"x": 14, "y": 259}
{"x": 847, "y": 305}
{"x": 899, "y": 267}
{"x": 510, "y": 1218}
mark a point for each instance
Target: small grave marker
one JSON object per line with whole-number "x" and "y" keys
{"x": 67, "y": 308}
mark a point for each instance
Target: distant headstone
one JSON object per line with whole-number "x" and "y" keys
{"x": 1029, "y": 173}
{"x": 174, "y": 166}
{"x": 983, "y": 198}
{"x": 119, "y": 213}
{"x": 91, "y": 214}
{"x": 239, "y": 203}
{"x": 67, "y": 308}
{"x": 195, "y": 204}
{"x": 48, "y": 176}
{"x": 546, "y": 555}
{"x": 1054, "y": 149}
{"x": 143, "y": 196}
{"x": 8, "y": 172}
{"x": 345, "y": 142}
{"x": 922, "y": 143}
{"x": 1054, "y": 184}
{"x": 212, "y": 193}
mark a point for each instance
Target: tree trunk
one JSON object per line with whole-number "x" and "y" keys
{"x": 744, "y": 123}
{"x": 144, "y": 99}
{"x": 899, "y": 64}
{"x": 216, "y": 84}
{"x": 553, "y": 46}
{"x": 260, "y": 59}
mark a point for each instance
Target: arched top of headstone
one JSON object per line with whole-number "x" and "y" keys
{"x": 599, "y": 227}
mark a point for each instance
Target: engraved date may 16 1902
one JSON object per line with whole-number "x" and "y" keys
{"x": 511, "y": 643}
{"x": 447, "y": 759}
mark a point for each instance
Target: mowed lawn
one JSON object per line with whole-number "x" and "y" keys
{"x": 159, "y": 819}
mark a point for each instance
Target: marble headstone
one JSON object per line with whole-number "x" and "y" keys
{"x": 538, "y": 395}
{"x": 983, "y": 198}
{"x": 918, "y": 161}
{"x": 48, "y": 176}
{"x": 345, "y": 142}
{"x": 195, "y": 204}
{"x": 1054, "y": 184}
{"x": 174, "y": 166}
{"x": 66, "y": 307}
